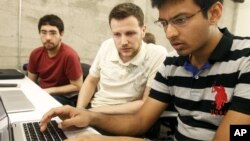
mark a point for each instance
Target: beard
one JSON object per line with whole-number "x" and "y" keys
{"x": 50, "y": 46}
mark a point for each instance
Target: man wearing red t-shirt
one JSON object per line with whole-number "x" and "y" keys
{"x": 55, "y": 66}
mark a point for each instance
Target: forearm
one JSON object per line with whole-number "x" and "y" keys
{"x": 73, "y": 86}
{"x": 62, "y": 89}
{"x": 121, "y": 138}
{"x": 105, "y": 138}
{"x": 87, "y": 91}
{"x": 32, "y": 77}
{"x": 127, "y": 108}
{"x": 118, "y": 124}
{"x": 231, "y": 118}
{"x": 85, "y": 95}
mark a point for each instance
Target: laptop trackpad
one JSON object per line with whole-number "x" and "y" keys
{"x": 16, "y": 101}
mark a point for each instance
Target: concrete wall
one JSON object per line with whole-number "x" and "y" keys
{"x": 242, "y": 24}
{"x": 86, "y": 25}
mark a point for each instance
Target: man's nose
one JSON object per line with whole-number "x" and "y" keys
{"x": 171, "y": 31}
{"x": 124, "y": 40}
{"x": 48, "y": 36}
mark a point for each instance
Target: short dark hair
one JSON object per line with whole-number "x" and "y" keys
{"x": 52, "y": 20}
{"x": 124, "y": 10}
{"x": 203, "y": 4}
{"x": 149, "y": 38}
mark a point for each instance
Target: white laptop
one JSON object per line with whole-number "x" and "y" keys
{"x": 29, "y": 130}
{"x": 16, "y": 101}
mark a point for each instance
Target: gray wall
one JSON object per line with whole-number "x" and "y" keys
{"x": 86, "y": 26}
{"x": 242, "y": 24}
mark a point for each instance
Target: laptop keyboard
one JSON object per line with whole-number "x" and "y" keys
{"x": 53, "y": 133}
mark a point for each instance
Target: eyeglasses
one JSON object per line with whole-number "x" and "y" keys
{"x": 51, "y": 33}
{"x": 177, "y": 21}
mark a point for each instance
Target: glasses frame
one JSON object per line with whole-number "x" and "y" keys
{"x": 177, "y": 21}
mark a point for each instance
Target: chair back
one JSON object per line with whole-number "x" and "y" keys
{"x": 85, "y": 70}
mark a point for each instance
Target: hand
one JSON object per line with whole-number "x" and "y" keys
{"x": 49, "y": 90}
{"x": 70, "y": 116}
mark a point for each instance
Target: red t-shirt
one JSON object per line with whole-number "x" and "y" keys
{"x": 55, "y": 71}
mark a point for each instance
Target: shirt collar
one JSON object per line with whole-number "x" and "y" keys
{"x": 138, "y": 59}
{"x": 223, "y": 47}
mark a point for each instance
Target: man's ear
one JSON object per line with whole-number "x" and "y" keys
{"x": 144, "y": 29}
{"x": 62, "y": 33}
{"x": 215, "y": 13}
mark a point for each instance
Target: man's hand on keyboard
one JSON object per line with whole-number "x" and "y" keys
{"x": 70, "y": 116}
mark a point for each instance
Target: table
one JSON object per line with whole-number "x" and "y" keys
{"x": 40, "y": 99}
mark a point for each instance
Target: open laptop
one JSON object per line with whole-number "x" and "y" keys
{"x": 4, "y": 124}
{"x": 30, "y": 131}
{"x": 11, "y": 74}
{"x": 16, "y": 101}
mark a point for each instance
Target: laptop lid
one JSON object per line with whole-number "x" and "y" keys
{"x": 11, "y": 74}
{"x": 5, "y": 128}
{"x": 16, "y": 101}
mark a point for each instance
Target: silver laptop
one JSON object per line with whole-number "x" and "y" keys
{"x": 5, "y": 134}
{"x": 30, "y": 131}
{"x": 16, "y": 101}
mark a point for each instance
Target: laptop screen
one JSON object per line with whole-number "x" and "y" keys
{"x": 5, "y": 129}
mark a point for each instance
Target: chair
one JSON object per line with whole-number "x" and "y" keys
{"x": 165, "y": 127}
{"x": 168, "y": 120}
{"x": 85, "y": 70}
{"x": 25, "y": 68}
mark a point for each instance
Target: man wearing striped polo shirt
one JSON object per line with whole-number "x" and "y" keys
{"x": 207, "y": 80}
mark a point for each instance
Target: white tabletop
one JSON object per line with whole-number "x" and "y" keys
{"x": 38, "y": 97}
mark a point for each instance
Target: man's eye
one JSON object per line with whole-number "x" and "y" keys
{"x": 43, "y": 32}
{"x": 164, "y": 23}
{"x": 116, "y": 35}
{"x": 53, "y": 33}
{"x": 130, "y": 33}
{"x": 180, "y": 20}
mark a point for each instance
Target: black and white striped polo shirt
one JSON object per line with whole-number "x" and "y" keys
{"x": 202, "y": 97}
